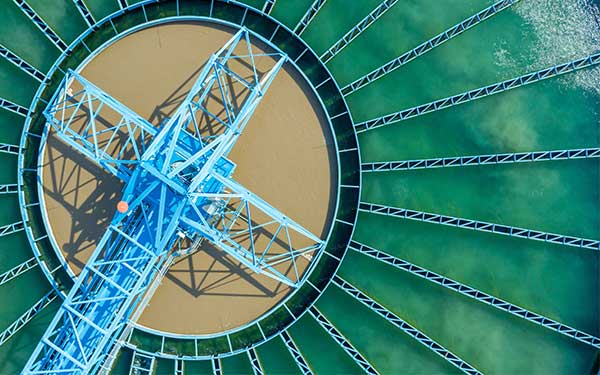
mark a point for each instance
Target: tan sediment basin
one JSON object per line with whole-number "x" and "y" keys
{"x": 285, "y": 155}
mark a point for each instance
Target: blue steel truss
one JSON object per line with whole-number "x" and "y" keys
{"x": 476, "y": 294}
{"x": 179, "y": 367}
{"x": 8, "y": 188}
{"x": 296, "y": 354}
{"x": 141, "y": 364}
{"x": 41, "y": 24}
{"x": 428, "y": 45}
{"x": 268, "y": 6}
{"x": 496, "y": 88}
{"x": 5, "y": 230}
{"x": 27, "y": 316}
{"x": 342, "y": 341}
{"x": 405, "y": 327}
{"x": 254, "y": 362}
{"x": 85, "y": 12}
{"x": 18, "y": 270}
{"x": 9, "y": 149}
{"x": 22, "y": 64}
{"x": 462, "y": 161}
{"x": 216, "y": 366}
{"x": 482, "y": 226}
{"x": 309, "y": 16}
{"x": 13, "y": 107}
{"x": 357, "y": 30}
{"x": 178, "y": 187}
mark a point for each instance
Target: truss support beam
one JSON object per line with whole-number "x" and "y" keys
{"x": 21, "y": 64}
{"x": 85, "y": 12}
{"x": 11, "y": 228}
{"x": 296, "y": 354}
{"x": 357, "y": 30}
{"x": 476, "y": 294}
{"x": 27, "y": 316}
{"x": 18, "y": 270}
{"x": 463, "y": 161}
{"x": 122, "y": 4}
{"x": 141, "y": 364}
{"x": 179, "y": 367}
{"x": 254, "y": 362}
{"x": 342, "y": 341}
{"x": 482, "y": 226}
{"x": 216, "y": 366}
{"x": 268, "y": 6}
{"x": 309, "y": 16}
{"x": 405, "y": 327}
{"x": 9, "y": 149}
{"x": 496, "y": 88}
{"x": 42, "y": 25}
{"x": 428, "y": 45}
{"x": 9, "y": 188}
{"x": 13, "y": 107}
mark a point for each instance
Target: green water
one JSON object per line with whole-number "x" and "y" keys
{"x": 560, "y": 282}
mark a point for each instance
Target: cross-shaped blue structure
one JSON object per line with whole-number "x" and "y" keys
{"x": 178, "y": 188}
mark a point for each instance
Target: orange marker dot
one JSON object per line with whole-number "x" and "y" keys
{"x": 122, "y": 207}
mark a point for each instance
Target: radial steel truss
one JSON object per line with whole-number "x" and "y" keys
{"x": 462, "y": 161}
{"x": 27, "y": 316}
{"x": 216, "y": 366}
{"x": 342, "y": 341}
{"x": 141, "y": 364}
{"x": 405, "y": 327}
{"x": 476, "y": 294}
{"x": 178, "y": 187}
{"x": 18, "y": 270}
{"x": 85, "y": 12}
{"x": 41, "y": 24}
{"x": 21, "y": 64}
{"x": 268, "y": 6}
{"x": 13, "y": 107}
{"x": 428, "y": 45}
{"x": 5, "y": 230}
{"x": 309, "y": 16}
{"x": 357, "y": 30}
{"x": 496, "y": 88}
{"x": 296, "y": 354}
{"x": 8, "y": 188}
{"x": 480, "y": 226}
{"x": 9, "y": 149}
{"x": 254, "y": 362}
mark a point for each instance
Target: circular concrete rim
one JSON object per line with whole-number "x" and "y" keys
{"x": 28, "y": 204}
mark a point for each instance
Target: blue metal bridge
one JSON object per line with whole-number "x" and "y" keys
{"x": 179, "y": 190}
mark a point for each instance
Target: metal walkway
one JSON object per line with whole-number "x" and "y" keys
{"x": 482, "y": 226}
{"x": 21, "y": 64}
{"x": 27, "y": 316}
{"x": 342, "y": 341}
{"x": 427, "y": 46}
{"x": 463, "y": 161}
{"x": 18, "y": 270}
{"x": 309, "y": 16}
{"x": 13, "y": 107}
{"x": 42, "y": 25}
{"x": 405, "y": 327}
{"x": 476, "y": 294}
{"x": 357, "y": 30}
{"x": 479, "y": 93}
{"x": 295, "y": 353}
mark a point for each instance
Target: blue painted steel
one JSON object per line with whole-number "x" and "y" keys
{"x": 5, "y": 230}
{"x": 13, "y": 107}
{"x": 27, "y": 316}
{"x": 8, "y": 188}
{"x": 9, "y": 149}
{"x": 85, "y": 12}
{"x": 178, "y": 185}
{"x": 342, "y": 341}
{"x": 309, "y": 16}
{"x": 476, "y": 294}
{"x": 462, "y": 161}
{"x": 483, "y": 226}
{"x": 254, "y": 362}
{"x": 428, "y": 45}
{"x": 18, "y": 270}
{"x": 22, "y": 64}
{"x": 295, "y": 352}
{"x": 216, "y": 366}
{"x": 41, "y": 24}
{"x": 357, "y": 30}
{"x": 405, "y": 327}
{"x": 482, "y": 92}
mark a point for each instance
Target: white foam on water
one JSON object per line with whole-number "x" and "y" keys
{"x": 565, "y": 30}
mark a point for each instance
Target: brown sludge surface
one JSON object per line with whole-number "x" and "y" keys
{"x": 285, "y": 156}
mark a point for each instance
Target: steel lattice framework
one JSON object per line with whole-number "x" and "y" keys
{"x": 178, "y": 186}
